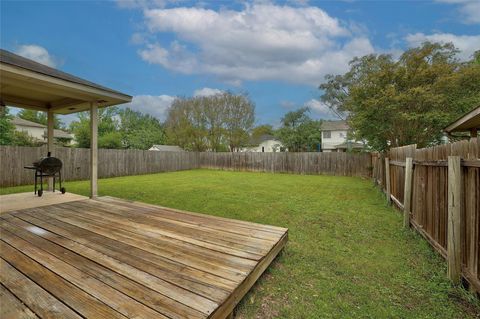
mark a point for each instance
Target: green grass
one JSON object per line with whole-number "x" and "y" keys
{"x": 347, "y": 255}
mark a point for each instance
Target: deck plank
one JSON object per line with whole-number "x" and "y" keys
{"x": 77, "y": 299}
{"x": 186, "y": 215}
{"x": 111, "y": 258}
{"x": 162, "y": 214}
{"x": 132, "y": 282}
{"x": 151, "y": 263}
{"x": 173, "y": 235}
{"x": 222, "y": 267}
{"x": 33, "y": 296}
{"x": 115, "y": 299}
{"x": 252, "y": 248}
{"x": 11, "y": 307}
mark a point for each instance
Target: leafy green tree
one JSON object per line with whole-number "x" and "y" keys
{"x": 21, "y": 138}
{"x": 218, "y": 123}
{"x": 39, "y": 117}
{"x": 107, "y": 123}
{"x": 140, "y": 131}
{"x": 298, "y": 132}
{"x": 8, "y": 134}
{"x": 7, "y": 129}
{"x": 392, "y": 102}
{"x": 110, "y": 140}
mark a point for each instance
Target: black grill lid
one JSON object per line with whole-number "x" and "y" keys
{"x": 48, "y": 165}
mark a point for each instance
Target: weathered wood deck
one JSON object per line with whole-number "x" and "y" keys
{"x": 109, "y": 258}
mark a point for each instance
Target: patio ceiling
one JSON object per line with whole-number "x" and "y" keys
{"x": 27, "y": 84}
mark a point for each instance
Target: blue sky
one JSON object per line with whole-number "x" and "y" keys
{"x": 276, "y": 51}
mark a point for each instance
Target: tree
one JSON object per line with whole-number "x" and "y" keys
{"x": 7, "y": 129}
{"x": 107, "y": 123}
{"x": 239, "y": 119}
{"x": 391, "y": 103}
{"x": 139, "y": 131}
{"x": 8, "y": 134}
{"x": 186, "y": 125}
{"x": 216, "y": 123}
{"x": 39, "y": 117}
{"x": 22, "y": 138}
{"x": 264, "y": 129}
{"x": 299, "y": 132}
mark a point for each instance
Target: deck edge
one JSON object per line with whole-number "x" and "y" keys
{"x": 227, "y": 307}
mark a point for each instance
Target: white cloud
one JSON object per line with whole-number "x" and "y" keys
{"x": 156, "y": 106}
{"x": 260, "y": 42}
{"x": 36, "y": 53}
{"x": 207, "y": 92}
{"x": 470, "y": 10}
{"x": 321, "y": 109}
{"x": 467, "y": 44}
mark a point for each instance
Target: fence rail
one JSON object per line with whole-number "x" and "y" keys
{"x": 113, "y": 163}
{"x": 431, "y": 210}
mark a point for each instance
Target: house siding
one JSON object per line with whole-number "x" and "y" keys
{"x": 336, "y": 137}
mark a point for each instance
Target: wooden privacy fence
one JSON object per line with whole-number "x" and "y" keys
{"x": 113, "y": 163}
{"x": 438, "y": 188}
{"x": 339, "y": 164}
{"x": 76, "y": 163}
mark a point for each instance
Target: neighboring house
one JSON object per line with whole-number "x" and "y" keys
{"x": 264, "y": 143}
{"x": 166, "y": 148}
{"x": 334, "y": 137}
{"x": 39, "y": 131}
{"x": 469, "y": 122}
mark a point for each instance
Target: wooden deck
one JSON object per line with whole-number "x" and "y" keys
{"x": 109, "y": 258}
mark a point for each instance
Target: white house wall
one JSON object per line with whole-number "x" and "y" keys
{"x": 337, "y": 137}
{"x": 35, "y": 132}
{"x": 269, "y": 146}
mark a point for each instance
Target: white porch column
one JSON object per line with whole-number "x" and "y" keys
{"x": 50, "y": 142}
{"x": 93, "y": 149}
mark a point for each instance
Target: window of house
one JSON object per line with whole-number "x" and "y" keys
{"x": 327, "y": 134}
{"x": 342, "y": 134}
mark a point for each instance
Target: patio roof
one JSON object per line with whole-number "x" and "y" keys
{"x": 29, "y": 84}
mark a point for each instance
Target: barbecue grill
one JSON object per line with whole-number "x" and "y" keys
{"x": 47, "y": 167}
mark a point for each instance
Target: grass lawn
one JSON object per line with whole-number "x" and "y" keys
{"x": 347, "y": 255}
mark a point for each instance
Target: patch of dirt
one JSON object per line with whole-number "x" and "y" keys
{"x": 269, "y": 308}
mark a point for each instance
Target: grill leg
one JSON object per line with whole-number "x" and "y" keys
{"x": 54, "y": 183}
{"x": 35, "y": 183}
{"x": 41, "y": 182}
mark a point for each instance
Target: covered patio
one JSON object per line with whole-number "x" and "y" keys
{"x": 27, "y": 84}
{"x": 69, "y": 256}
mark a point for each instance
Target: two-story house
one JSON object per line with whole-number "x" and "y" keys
{"x": 335, "y": 137}
{"x": 39, "y": 131}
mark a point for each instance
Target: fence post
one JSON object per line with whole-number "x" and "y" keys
{"x": 453, "y": 233}
{"x": 387, "y": 180}
{"x": 407, "y": 201}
